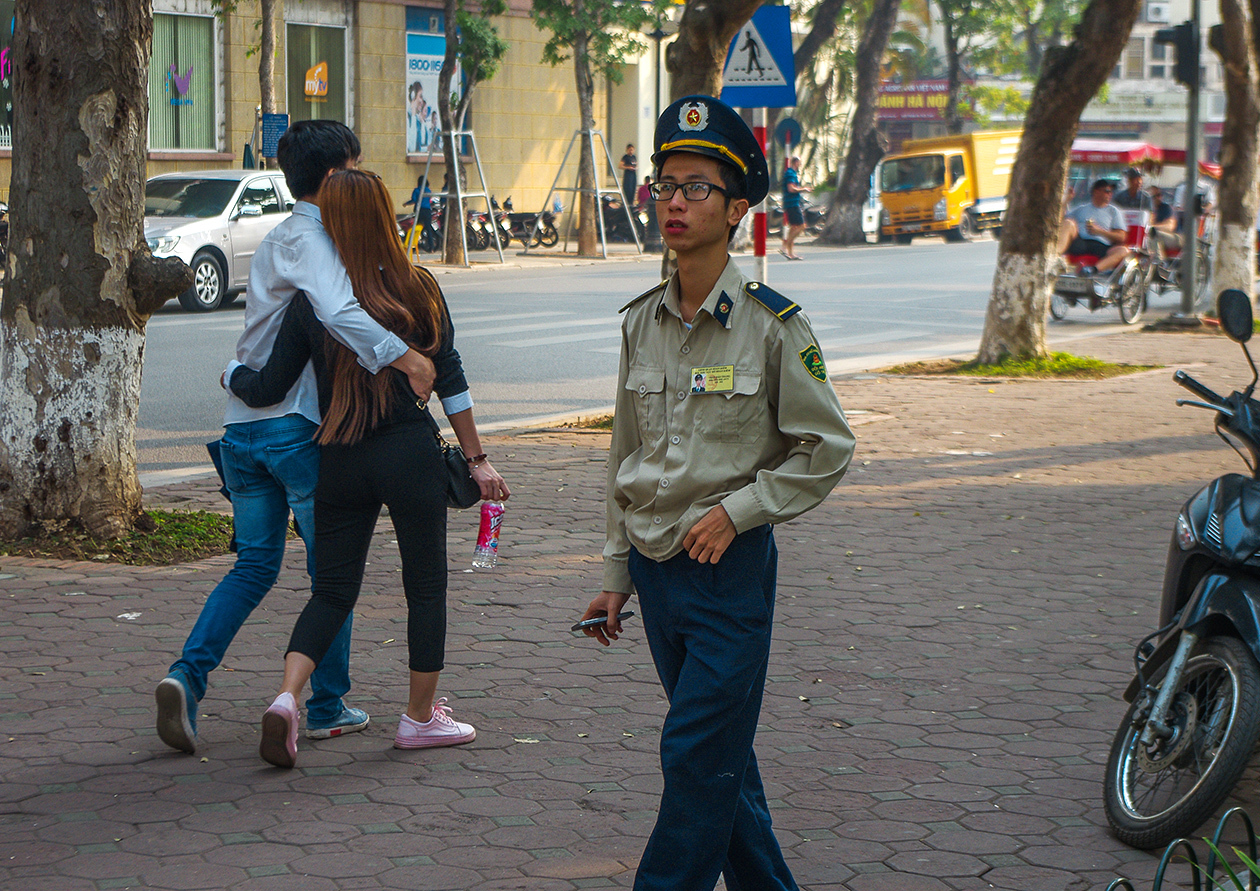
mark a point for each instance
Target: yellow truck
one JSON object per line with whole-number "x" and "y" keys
{"x": 949, "y": 185}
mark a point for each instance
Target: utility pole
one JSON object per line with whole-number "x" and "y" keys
{"x": 1185, "y": 38}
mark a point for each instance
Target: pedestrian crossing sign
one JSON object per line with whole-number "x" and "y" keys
{"x": 759, "y": 70}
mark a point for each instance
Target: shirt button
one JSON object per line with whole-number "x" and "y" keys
{"x": 656, "y": 520}
{"x": 682, "y": 395}
{"x": 642, "y": 389}
{"x": 664, "y": 484}
{"x": 675, "y": 439}
{"x": 686, "y": 349}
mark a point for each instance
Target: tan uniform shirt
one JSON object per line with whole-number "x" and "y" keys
{"x": 736, "y": 411}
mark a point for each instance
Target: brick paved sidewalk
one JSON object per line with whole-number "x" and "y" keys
{"x": 954, "y": 625}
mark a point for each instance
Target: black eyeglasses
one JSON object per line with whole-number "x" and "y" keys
{"x": 695, "y": 191}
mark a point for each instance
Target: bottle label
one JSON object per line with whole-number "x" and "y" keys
{"x": 491, "y": 520}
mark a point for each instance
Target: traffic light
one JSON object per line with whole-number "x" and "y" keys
{"x": 1185, "y": 37}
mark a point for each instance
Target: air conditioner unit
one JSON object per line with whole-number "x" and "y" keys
{"x": 1158, "y": 12}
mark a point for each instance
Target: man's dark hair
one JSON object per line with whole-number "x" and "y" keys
{"x": 309, "y": 149}
{"x": 1102, "y": 184}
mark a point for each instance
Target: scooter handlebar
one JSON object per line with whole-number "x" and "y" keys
{"x": 1185, "y": 380}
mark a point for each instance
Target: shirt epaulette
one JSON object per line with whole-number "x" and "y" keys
{"x": 647, "y": 293}
{"x": 772, "y": 300}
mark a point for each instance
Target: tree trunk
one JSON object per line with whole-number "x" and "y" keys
{"x": 81, "y": 283}
{"x": 1236, "y": 238}
{"x": 953, "y": 79}
{"x": 267, "y": 56}
{"x": 588, "y": 205}
{"x": 1015, "y": 322}
{"x": 822, "y": 29}
{"x": 695, "y": 59}
{"x": 844, "y": 216}
{"x": 453, "y": 217}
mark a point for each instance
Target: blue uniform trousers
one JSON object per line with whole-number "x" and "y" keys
{"x": 708, "y": 626}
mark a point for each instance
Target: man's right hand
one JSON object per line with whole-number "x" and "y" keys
{"x": 608, "y": 603}
{"x": 420, "y": 373}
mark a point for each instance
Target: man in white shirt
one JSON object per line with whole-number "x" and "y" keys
{"x": 270, "y": 463}
{"x": 1095, "y": 229}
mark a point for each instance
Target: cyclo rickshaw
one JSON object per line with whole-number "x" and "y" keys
{"x": 1124, "y": 286}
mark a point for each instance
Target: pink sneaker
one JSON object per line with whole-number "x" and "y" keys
{"x": 280, "y": 732}
{"x": 440, "y": 730}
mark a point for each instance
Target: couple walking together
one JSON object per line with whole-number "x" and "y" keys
{"x": 327, "y": 417}
{"x": 697, "y": 476}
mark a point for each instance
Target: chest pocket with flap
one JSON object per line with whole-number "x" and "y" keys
{"x": 647, "y": 388}
{"x": 731, "y": 416}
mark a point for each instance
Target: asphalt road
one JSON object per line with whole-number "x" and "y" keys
{"x": 541, "y": 344}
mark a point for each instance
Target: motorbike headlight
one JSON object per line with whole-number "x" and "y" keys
{"x": 939, "y": 210}
{"x": 1185, "y": 533}
{"x": 163, "y": 244}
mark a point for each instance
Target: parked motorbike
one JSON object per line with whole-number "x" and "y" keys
{"x": 1195, "y": 714}
{"x": 616, "y": 226}
{"x": 525, "y": 227}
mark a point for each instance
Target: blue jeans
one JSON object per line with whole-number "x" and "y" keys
{"x": 708, "y": 627}
{"x": 270, "y": 467}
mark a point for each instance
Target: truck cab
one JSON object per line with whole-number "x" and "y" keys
{"x": 950, "y": 185}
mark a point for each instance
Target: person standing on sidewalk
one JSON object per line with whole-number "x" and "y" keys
{"x": 725, "y": 424}
{"x": 629, "y": 174}
{"x": 793, "y": 208}
{"x": 270, "y": 463}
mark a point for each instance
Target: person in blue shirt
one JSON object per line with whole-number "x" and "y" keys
{"x": 1096, "y": 229}
{"x": 422, "y": 193}
{"x": 793, "y": 208}
{"x": 270, "y": 463}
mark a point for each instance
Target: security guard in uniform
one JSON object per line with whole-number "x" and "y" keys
{"x": 725, "y": 425}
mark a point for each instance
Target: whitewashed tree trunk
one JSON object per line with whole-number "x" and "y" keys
{"x": 80, "y": 283}
{"x": 1235, "y": 259}
{"x": 1015, "y": 322}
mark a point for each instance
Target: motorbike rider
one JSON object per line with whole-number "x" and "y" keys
{"x": 1095, "y": 229}
{"x": 1164, "y": 227}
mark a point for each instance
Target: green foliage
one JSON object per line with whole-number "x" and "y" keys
{"x": 984, "y": 102}
{"x": 1054, "y": 365}
{"x": 1236, "y": 883}
{"x": 609, "y": 29}
{"x": 481, "y": 49}
{"x": 159, "y": 539}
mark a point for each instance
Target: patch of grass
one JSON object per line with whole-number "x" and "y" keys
{"x": 598, "y": 422}
{"x": 1053, "y": 366}
{"x": 160, "y": 538}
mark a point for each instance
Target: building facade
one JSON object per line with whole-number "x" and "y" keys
{"x": 374, "y": 65}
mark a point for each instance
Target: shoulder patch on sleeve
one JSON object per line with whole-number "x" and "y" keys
{"x": 772, "y": 300}
{"x": 647, "y": 293}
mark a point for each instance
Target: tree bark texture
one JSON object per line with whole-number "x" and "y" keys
{"x": 80, "y": 283}
{"x": 953, "y": 78}
{"x": 696, "y": 58}
{"x": 1015, "y": 322}
{"x": 1236, "y": 202}
{"x": 844, "y": 216}
{"x": 453, "y": 217}
{"x": 267, "y": 56}
{"x": 588, "y": 203}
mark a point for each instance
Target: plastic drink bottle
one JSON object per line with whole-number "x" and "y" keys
{"x": 486, "y": 553}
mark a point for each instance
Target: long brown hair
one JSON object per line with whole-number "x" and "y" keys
{"x": 357, "y": 213}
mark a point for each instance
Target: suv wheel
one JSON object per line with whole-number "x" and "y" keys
{"x": 209, "y": 284}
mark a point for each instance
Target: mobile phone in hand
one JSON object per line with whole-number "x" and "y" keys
{"x": 599, "y": 620}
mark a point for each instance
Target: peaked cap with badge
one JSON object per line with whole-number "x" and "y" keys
{"x": 702, "y": 125}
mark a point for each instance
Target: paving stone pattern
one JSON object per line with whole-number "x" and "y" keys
{"x": 954, "y": 626}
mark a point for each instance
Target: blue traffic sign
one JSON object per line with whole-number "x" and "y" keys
{"x": 760, "y": 72}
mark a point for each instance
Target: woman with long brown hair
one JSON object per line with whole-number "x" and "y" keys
{"x": 378, "y": 448}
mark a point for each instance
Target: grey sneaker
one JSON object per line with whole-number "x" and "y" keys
{"x": 351, "y": 720}
{"x": 177, "y": 713}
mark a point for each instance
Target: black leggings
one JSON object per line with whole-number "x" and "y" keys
{"x": 402, "y": 468}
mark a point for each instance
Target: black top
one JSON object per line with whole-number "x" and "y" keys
{"x": 302, "y": 337}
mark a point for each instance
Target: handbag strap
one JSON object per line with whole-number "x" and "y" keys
{"x": 433, "y": 424}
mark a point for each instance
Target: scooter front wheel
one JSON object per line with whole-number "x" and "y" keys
{"x": 1165, "y": 791}
{"x": 1058, "y": 306}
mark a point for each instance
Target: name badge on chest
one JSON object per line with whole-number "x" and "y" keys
{"x": 713, "y": 379}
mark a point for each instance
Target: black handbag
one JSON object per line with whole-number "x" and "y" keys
{"x": 462, "y": 491}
